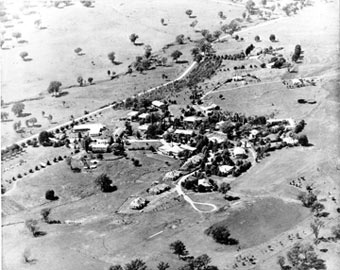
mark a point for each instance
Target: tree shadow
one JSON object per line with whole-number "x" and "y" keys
{"x": 182, "y": 61}
{"x": 63, "y": 93}
{"x": 43, "y": 28}
{"x": 139, "y": 44}
{"x": 24, "y": 114}
{"x": 81, "y": 54}
{"x": 39, "y": 234}
{"x": 117, "y": 63}
{"x": 27, "y": 59}
{"x": 37, "y": 126}
{"x": 192, "y": 16}
{"x": 110, "y": 189}
{"x": 7, "y": 120}
{"x": 6, "y": 48}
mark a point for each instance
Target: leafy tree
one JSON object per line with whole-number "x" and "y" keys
{"x": 50, "y": 118}
{"x": 18, "y": 108}
{"x": 202, "y": 262}
{"x": 133, "y": 38}
{"x": 116, "y": 267}
{"x": 188, "y": 12}
{"x": 178, "y": 248}
{"x": 303, "y": 140}
{"x": 217, "y": 34}
{"x": 180, "y": 39}
{"x": 303, "y": 257}
{"x": 308, "y": 199}
{"x": 45, "y": 214}
{"x": 221, "y": 235}
{"x": 317, "y": 208}
{"x": 104, "y": 183}
{"x": 112, "y": 57}
{"x": 77, "y": 50}
{"x": 4, "y": 116}
{"x": 316, "y": 225}
{"x": 194, "y": 23}
{"x": 136, "y": 264}
{"x": 281, "y": 261}
{"x": 224, "y": 188}
{"x": 336, "y": 231}
{"x": 163, "y": 266}
{"x": 43, "y": 137}
{"x": 147, "y": 51}
{"x": 272, "y": 38}
{"x": 16, "y": 35}
{"x": 80, "y": 80}
{"x": 17, "y": 126}
{"x": 23, "y": 55}
{"x": 32, "y": 226}
{"x": 54, "y": 87}
{"x": 176, "y": 54}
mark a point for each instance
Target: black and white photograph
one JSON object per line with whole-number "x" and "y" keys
{"x": 170, "y": 134}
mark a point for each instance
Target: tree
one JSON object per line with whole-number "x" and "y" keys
{"x": 257, "y": 38}
{"x": 162, "y": 21}
{"x": 44, "y": 137}
{"x": 133, "y": 38}
{"x": 272, "y": 38}
{"x": 32, "y": 226}
{"x": 163, "y": 266}
{"x": 178, "y": 248}
{"x": 23, "y": 55}
{"x": 316, "y": 225}
{"x": 317, "y": 208}
{"x": 116, "y": 267}
{"x": 308, "y": 199}
{"x": 50, "y": 118}
{"x": 221, "y": 235}
{"x": 264, "y": 2}
{"x": 112, "y": 57}
{"x": 281, "y": 261}
{"x": 80, "y": 80}
{"x": 17, "y": 126}
{"x": 136, "y": 264}
{"x": 16, "y": 35}
{"x": 303, "y": 140}
{"x": 224, "y": 188}
{"x": 180, "y": 39}
{"x": 176, "y": 54}
{"x": 303, "y": 257}
{"x": 78, "y": 50}
{"x": 50, "y": 195}
{"x": 45, "y": 214}
{"x": 202, "y": 262}
{"x": 147, "y": 51}
{"x": 336, "y": 231}
{"x": 90, "y": 80}
{"x": 188, "y": 12}
{"x": 4, "y": 116}
{"x": 104, "y": 183}
{"x": 18, "y": 108}
{"x": 54, "y": 88}
{"x": 217, "y": 34}
{"x": 249, "y": 6}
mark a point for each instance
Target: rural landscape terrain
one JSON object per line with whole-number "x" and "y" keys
{"x": 153, "y": 134}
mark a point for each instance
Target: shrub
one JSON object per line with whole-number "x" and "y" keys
{"x": 30, "y": 171}
{"x": 60, "y": 158}
{"x": 55, "y": 160}
{"x": 50, "y": 195}
{"x": 257, "y": 38}
{"x": 136, "y": 162}
{"x": 48, "y": 163}
{"x": 19, "y": 175}
{"x": 272, "y": 38}
{"x": 221, "y": 235}
{"x": 37, "y": 168}
{"x": 303, "y": 140}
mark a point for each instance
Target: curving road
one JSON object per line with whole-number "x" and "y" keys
{"x": 180, "y": 192}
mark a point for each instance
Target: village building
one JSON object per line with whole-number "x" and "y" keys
{"x": 218, "y": 137}
{"x": 204, "y": 185}
{"x": 226, "y": 169}
{"x": 93, "y": 130}
{"x": 172, "y": 176}
{"x": 158, "y": 189}
{"x": 138, "y": 203}
{"x": 158, "y": 104}
{"x": 239, "y": 152}
{"x": 99, "y": 145}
